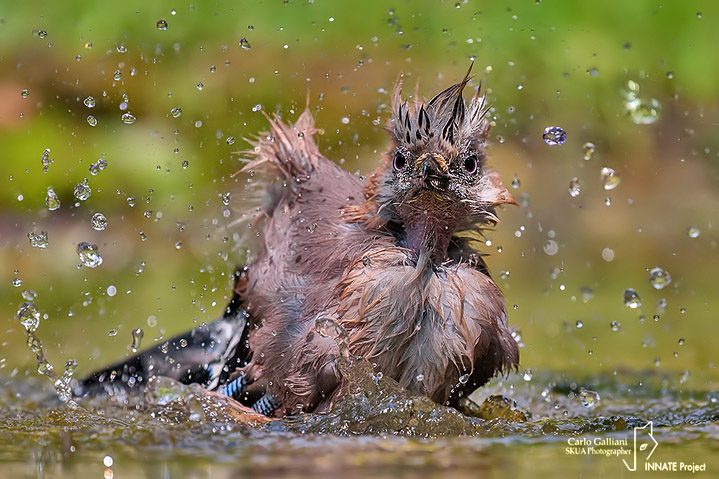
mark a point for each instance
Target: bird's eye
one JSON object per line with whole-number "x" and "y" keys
{"x": 399, "y": 161}
{"x": 470, "y": 164}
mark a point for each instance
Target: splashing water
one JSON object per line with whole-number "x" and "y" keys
{"x": 89, "y": 254}
{"x": 98, "y": 222}
{"x": 137, "y": 335}
{"x": 51, "y": 200}
{"x": 38, "y": 240}
{"x": 554, "y": 135}
{"x": 575, "y": 187}
{"x": 641, "y": 111}
{"x": 83, "y": 190}
{"x": 631, "y": 299}
{"x": 588, "y": 398}
{"x": 29, "y": 316}
{"x": 610, "y": 178}
{"x": 659, "y": 278}
{"x": 98, "y": 166}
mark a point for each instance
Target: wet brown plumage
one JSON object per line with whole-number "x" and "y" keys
{"x": 390, "y": 259}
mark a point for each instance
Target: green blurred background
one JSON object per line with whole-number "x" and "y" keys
{"x": 545, "y": 63}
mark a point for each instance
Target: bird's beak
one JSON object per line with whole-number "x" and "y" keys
{"x": 433, "y": 170}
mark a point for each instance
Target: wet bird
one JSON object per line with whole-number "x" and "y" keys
{"x": 389, "y": 261}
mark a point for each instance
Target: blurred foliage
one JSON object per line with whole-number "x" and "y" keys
{"x": 545, "y": 63}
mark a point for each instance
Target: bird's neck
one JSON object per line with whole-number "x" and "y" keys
{"x": 429, "y": 235}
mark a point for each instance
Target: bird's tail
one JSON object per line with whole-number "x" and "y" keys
{"x": 288, "y": 150}
{"x": 206, "y": 355}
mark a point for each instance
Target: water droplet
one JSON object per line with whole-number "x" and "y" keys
{"x": 185, "y": 164}
{"x": 98, "y": 222}
{"x": 51, "y": 200}
{"x": 659, "y": 278}
{"x": 137, "y": 335}
{"x": 117, "y": 75}
{"x": 589, "y": 150}
{"x": 587, "y": 293}
{"x": 693, "y": 231}
{"x": 230, "y": 140}
{"x": 112, "y": 333}
{"x": 128, "y": 118}
{"x": 176, "y": 112}
{"x": 642, "y": 111}
{"x": 580, "y": 324}
{"x": 121, "y": 49}
{"x": 98, "y": 166}
{"x": 29, "y": 295}
{"x": 615, "y": 325}
{"x": 551, "y": 247}
{"x": 245, "y": 44}
{"x": 226, "y": 199}
{"x": 345, "y": 120}
{"x": 89, "y": 102}
{"x": 608, "y": 254}
{"x": 111, "y": 290}
{"x": 183, "y": 343}
{"x": 200, "y": 86}
{"x": 89, "y": 254}
{"x": 575, "y": 187}
{"x": 554, "y": 135}
{"x": 162, "y": 24}
{"x": 257, "y": 107}
{"x": 82, "y": 190}
{"x": 38, "y": 240}
{"x": 178, "y": 245}
{"x": 17, "y": 282}
{"x": 91, "y": 120}
{"x": 131, "y": 201}
{"x": 610, "y": 179}
{"x": 419, "y": 378}
{"x": 143, "y": 236}
{"x": 24, "y": 93}
{"x": 631, "y": 299}
{"x": 42, "y": 34}
{"x": 107, "y": 461}
{"x": 527, "y": 376}
{"x": 504, "y": 274}
{"x": 516, "y": 183}
{"x": 464, "y": 378}
{"x": 588, "y": 398}
{"x": 46, "y": 160}
{"x": 29, "y": 316}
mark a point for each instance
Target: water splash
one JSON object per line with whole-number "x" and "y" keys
{"x": 631, "y": 299}
{"x": 610, "y": 178}
{"x": 82, "y": 190}
{"x": 98, "y": 222}
{"x": 98, "y": 166}
{"x": 589, "y": 150}
{"x": 659, "y": 278}
{"x": 575, "y": 187}
{"x": 51, "y": 200}
{"x": 137, "y": 335}
{"x": 554, "y": 135}
{"x": 588, "y": 398}
{"x": 89, "y": 254}
{"x": 38, "y": 240}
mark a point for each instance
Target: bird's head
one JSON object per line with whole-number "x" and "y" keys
{"x": 434, "y": 179}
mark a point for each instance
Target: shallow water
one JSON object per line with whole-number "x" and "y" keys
{"x": 379, "y": 431}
